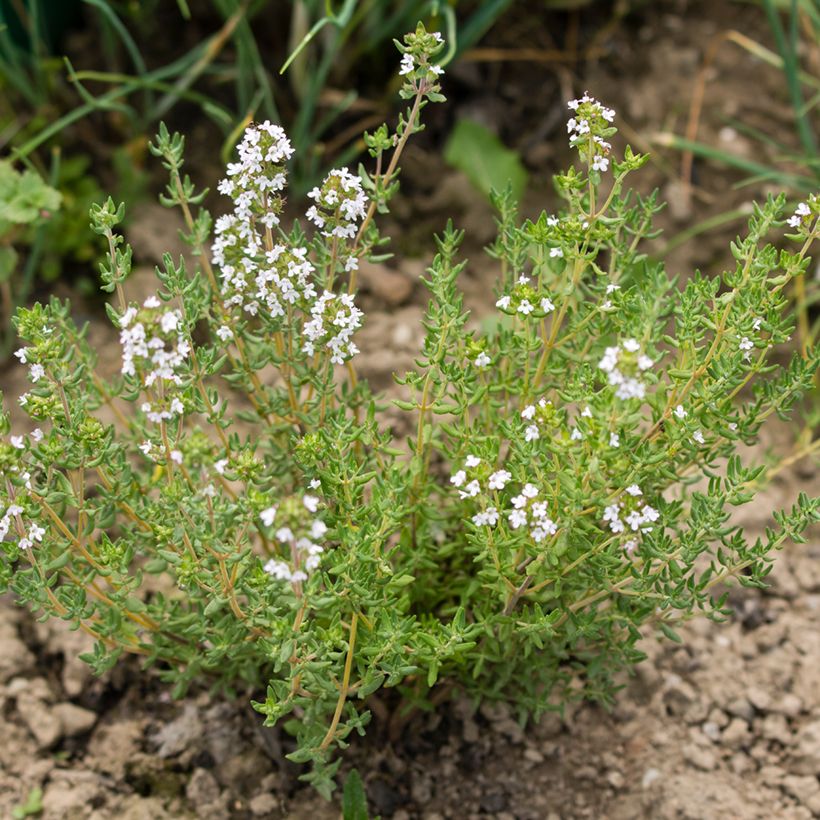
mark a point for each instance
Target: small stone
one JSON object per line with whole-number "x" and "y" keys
{"x": 649, "y": 777}
{"x": 802, "y": 789}
{"x": 806, "y": 759}
{"x": 740, "y": 707}
{"x": 615, "y": 779}
{"x": 42, "y": 724}
{"x": 699, "y": 757}
{"x": 202, "y": 789}
{"x": 771, "y": 775}
{"x": 263, "y": 805}
{"x": 678, "y": 695}
{"x": 15, "y": 658}
{"x": 759, "y": 698}
{"x": 719, "y": 718}
{"x": 789, "y": 705}
{"x": 73, "y": 719}
{"x": 774, "y": 727}
{"x": 533, "y": 755}
{"x": 740, "y": 763}
{"x": 180, "y": 733}
{"x": 711, "y": 730}
{"x": 736, "y": 734}
{"x": 469, "y": 731}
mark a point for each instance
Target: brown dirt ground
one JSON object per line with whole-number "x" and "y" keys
{"x": 726, "y": 725}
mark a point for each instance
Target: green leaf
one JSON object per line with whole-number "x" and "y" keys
{"x": 488, "y": 164}
{"x": 354, "y": 800}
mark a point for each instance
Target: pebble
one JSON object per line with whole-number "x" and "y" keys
{"x": 736, "y": 734}
{"x": 741, "y": 708}
{"x": 263, "y": 805}
{"x": 806, "y": 760}
{"x": 699, "y": 757}
{"x": 74, "y": 720}
{"x": 711, "y": 730}
{"x": 649, "y": 777}
{"x": 789, "y": 705}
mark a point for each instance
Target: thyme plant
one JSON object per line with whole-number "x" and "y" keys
{"x": 234, "y": 508}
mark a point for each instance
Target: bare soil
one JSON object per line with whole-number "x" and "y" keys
{"x": 726, "y": 725}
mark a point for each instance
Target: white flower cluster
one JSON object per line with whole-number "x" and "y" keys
{"x": 622, "y": 357}
{"x": 275, "y": 280}
{"x": 36, "y": 370}
{"x": 590, "y": 116}
{"x": 531, "y": 414}
{"x": 305, "y": 553}
{"x": 341, "y": 204}
{"x": 152, "y": 342}
{"x": 639, "y": 515}
{"x": 802, "y": 214}
{"x": 525, "y": 300}
{"x": 529, "y": 511}
{"x": 526, "y": 509}
{"x": 259, "y": 174}
{"x": 28, "y": 537}
{"x": 408, "y": 61}
{"x": 334, "y": 321}
{"x": 253, "y": 278}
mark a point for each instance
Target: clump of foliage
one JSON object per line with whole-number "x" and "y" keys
{"x": 234, "y": 508}
{"x": 26, "y": 204}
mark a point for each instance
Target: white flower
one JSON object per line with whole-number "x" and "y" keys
{"x": 644, "y": 362}
{"x": 209, "y": 491}
{"x": 796, "y": 220}
{"x": 498, "y": 480}
{"x": 525, "y": 307}
{"x": 634, "y": 490}
{"x": 457, "y": 479}
{"x": 472, "y": 461}
{"x": 24, "y": 544}
{"x": 546, "y": 305}
{"x": 36, "y": 533}
{"x": 21, "y": 355}
{"x": 224, "y": 333}
{"x": 176, "y": 456}
{"x": 315, "y": 484}
{"x": 471, "y": 490}
{"x": 37, "y": 434}
{"x": 17, "y": 442}
{"x": 145, "y": 447}
{"x": 556, "y": 253}
{"x": 528, "y": 412}
{"x": 311, "y": 503}
{"x": 23, "y": 399}
{"x": 220, "y": 465}
{"x": 680, "y": 412}
{"x": 746, "y": 343}
{"x": 407, "y": 64}
{"x": 517, "y": 518}
{"x": 151, "y": 302}
{"x": 576, "y": 434}
{"x": 284, "y": 535}
{"x": 529, "y": 491}
{"x": 503, "y": 302}
{"x": 318, "y": 529}
{"x": 698, "y": 437}
{"x": 486, "y": 518}
{"x": 531, "y": 433}
{"x": 482, "y": 360}
{"x": 37, "y": 372}
{"x": 268, "y": 516}
{"x": 631, "y": 345}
